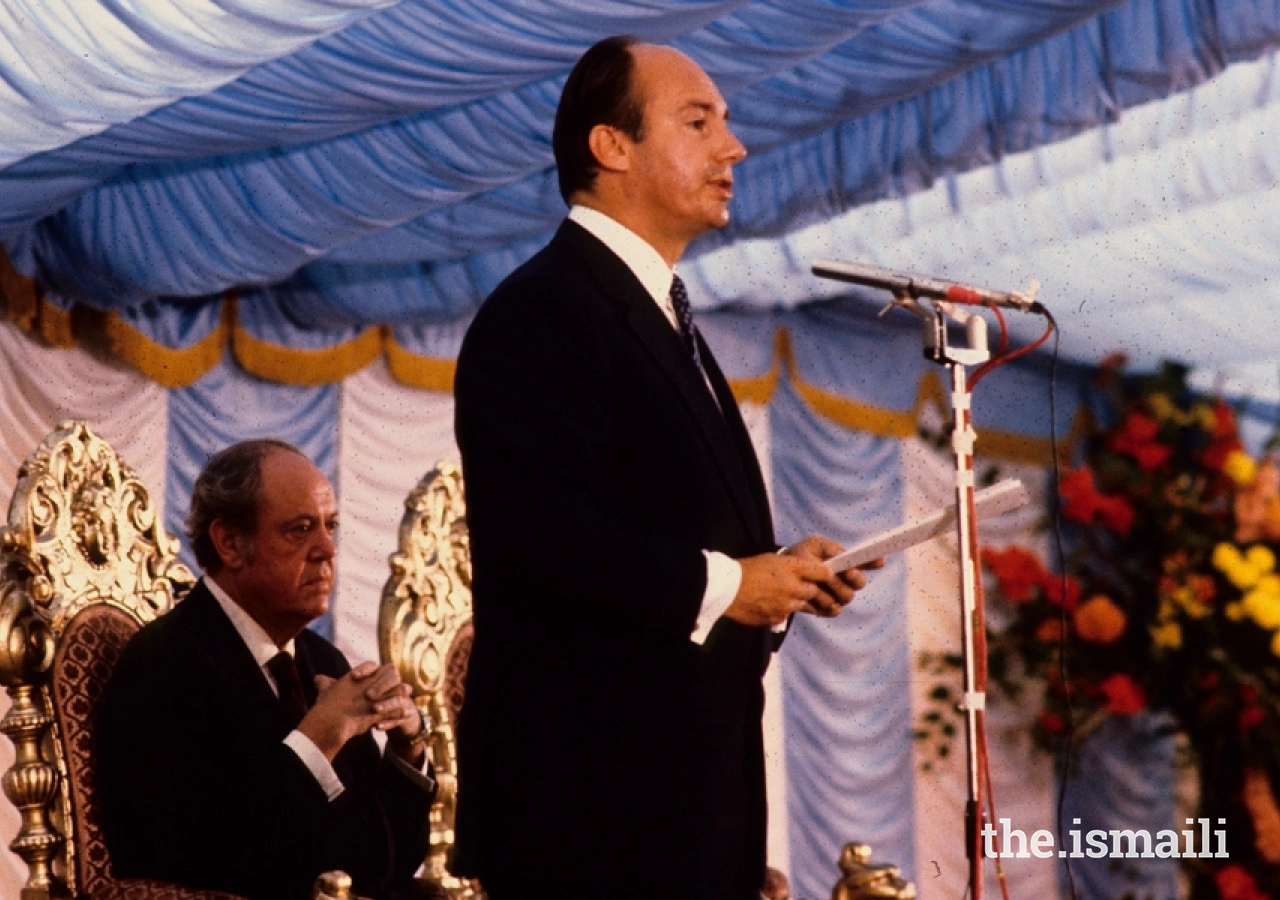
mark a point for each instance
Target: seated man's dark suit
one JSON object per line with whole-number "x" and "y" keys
{"x": 598, "y": 743}
{"x": 198, "y": 788}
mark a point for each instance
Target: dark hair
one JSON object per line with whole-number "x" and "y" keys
{"x": 229, "y": 487}
{"x": 599, "y": 91}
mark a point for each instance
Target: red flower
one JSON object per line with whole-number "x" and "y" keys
{"x": 1251, "y": 716}
{"x": 1124, "y": 695}
{"x": 1110, "y": 367}
{"x": 1226, "y": 437}
{"x": 1116, "y": 513}
{"x": 1235, "y": 883}
{"x": 1017, "y": 571}
{"x": 1081, "y": 502}
{"x": 1051, "y": 723}
{"x": 1058, "y": 595}
{"x": 1209, "y": 680}
{"x": 1137, "y": 438}
{"x": 1224, "y": 420}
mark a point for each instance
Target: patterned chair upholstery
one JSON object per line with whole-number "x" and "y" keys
{"x": 84, "y": 563}
{"x": 424, "y": 629}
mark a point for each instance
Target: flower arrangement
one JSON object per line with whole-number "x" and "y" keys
{"x": 1168, "y": 600}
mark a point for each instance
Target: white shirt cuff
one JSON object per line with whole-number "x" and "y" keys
{"x": 315, "y": 762}
{"x": 724, "y": 577}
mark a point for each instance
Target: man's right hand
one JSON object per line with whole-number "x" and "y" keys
{"x": 343, "y": 708}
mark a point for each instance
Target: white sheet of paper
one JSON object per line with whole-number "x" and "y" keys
{"x": 989, "y": 501}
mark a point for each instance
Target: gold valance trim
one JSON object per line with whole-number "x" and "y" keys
{"x": 307, "y": 368}
{"x": 427, "y": 373}
{"x": 166, "y": 366}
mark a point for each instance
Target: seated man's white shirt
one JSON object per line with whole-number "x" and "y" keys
{"x": 263, "y": 649}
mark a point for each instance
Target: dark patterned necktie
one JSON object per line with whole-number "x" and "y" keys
{"x": 289, "y": 682}
{"x": 684, "y": 315}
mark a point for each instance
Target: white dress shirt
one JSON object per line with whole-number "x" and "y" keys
{"x": 724, "y": 574}
{"x": 262, "y": 648}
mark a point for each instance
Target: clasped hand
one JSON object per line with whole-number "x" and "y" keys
{"x": 369, "y": 696}
{"x": 776, "y": 585}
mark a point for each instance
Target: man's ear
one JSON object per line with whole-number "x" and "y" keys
{"x": 229, "y": 543}
{"x": 611, "y": 148}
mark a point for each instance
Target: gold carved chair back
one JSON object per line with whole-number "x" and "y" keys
{"x": 424, "y": 629}
{"x": 84, "y": 563}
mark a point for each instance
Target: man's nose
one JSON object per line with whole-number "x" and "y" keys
{"x": 324, "y": 546}
{"x": 734, "y": 151}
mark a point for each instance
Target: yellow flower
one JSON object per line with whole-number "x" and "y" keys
{"x": 1162, "y": 407}
{"x": 1205, "y": 413}
{"x": 1167, "y": 635}
{"x": 1235, "y": 611}
{"x": 1187, "y": 598}
{"x": 1261, "y": 559}
{"x": 1240, "y": 468}
{"x": 1263, "y": 607}
{"x": 1243, "y": 569}
{"x": 1275, "y": 643}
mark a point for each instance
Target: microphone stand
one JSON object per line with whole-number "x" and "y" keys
{"x": 972, "y": 627}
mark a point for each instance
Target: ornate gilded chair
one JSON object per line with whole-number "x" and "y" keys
{"x": 83, "y": 564}
{"x": 424, "y": 628}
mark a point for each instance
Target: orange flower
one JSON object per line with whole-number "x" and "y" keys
{"x": 1017, "y": 570}
{"x": 1125, "y": 696}
{"x": 1261, "y": 803}
{"x": 1137, "y": 438}
{"x": 1204, "y": 587}
{"x": 1099, "y": 620}
{"x": 1257, "y": 507}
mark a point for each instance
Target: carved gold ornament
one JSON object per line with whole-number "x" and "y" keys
{"x": 82, "y": 533}
{"x": 424, "y": 629}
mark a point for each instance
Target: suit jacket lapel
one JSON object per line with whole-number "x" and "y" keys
{"x": 231, "y": 663}
{"x": 664, "y": 345}
{"x": 742, "y": 440}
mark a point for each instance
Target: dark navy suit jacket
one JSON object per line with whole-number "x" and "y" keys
{"x": 198, "y": 788}
{"x": 597, "y": 741}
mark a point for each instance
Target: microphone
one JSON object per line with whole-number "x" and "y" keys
{"x": 919, "y": 286}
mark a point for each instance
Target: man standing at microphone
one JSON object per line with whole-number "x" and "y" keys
{"x": 627, "y": 586}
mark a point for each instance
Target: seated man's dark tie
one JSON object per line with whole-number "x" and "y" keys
{"x": 289, "y": 682}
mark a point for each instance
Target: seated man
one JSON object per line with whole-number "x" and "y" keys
{"x": 224, "y": 763}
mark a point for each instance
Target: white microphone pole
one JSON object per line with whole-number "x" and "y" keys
{"x": 907, "y": 291}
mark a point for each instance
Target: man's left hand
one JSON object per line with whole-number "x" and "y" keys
{"x": 838, "y": 589}
{"x": 399, "y": 716}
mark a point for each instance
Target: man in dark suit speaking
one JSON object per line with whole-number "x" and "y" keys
{"x": 628, "y": 590}
{"x": 234, "y": 745}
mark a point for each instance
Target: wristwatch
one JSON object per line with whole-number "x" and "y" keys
{"x": 413, "y": 742}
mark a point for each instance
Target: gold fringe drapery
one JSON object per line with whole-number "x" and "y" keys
{"x": 181, "y": 367}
